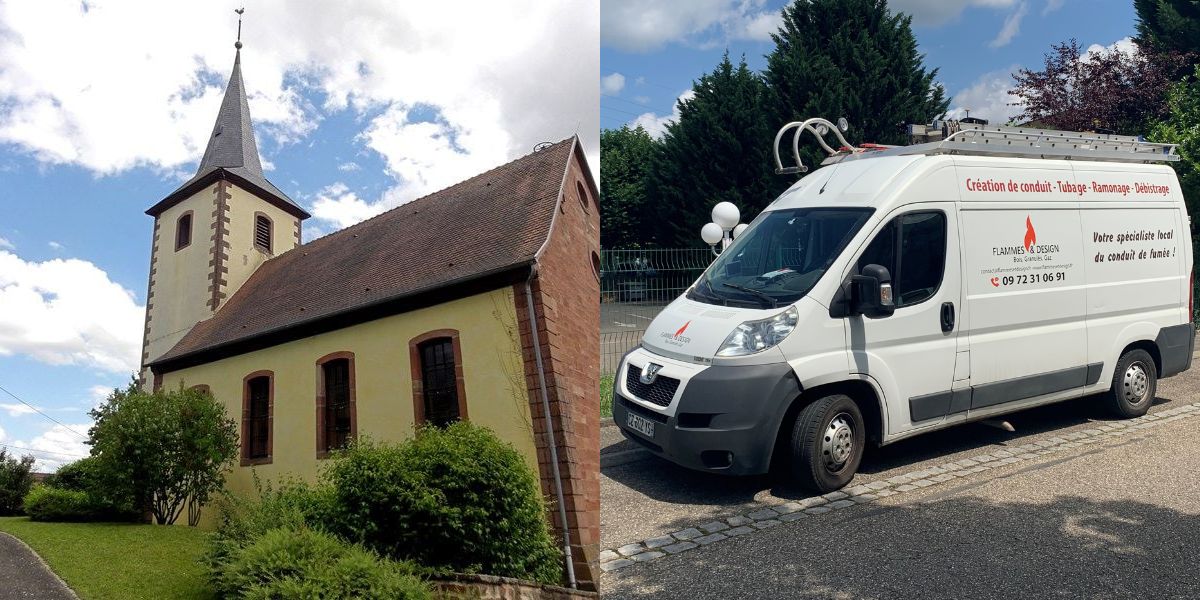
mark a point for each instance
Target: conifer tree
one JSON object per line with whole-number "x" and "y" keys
{"x": 854, "y": 59}
{"x": 718, "y": 150}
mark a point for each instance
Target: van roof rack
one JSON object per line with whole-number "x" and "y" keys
{"x": 980, "y": 139}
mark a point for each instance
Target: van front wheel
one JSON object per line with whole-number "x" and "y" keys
{"x": 1134, "y": 384}
{"x": 827, "y": 443}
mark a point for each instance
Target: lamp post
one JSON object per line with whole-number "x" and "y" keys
{"x": 724, "y": 227}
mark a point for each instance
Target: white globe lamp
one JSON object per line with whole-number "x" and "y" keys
{"x": 726, "y": 215}
{"x": 739, "y": 229}
{"x": 711, "y": 234}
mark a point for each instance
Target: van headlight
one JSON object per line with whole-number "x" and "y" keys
{"x": 756, "y": 336}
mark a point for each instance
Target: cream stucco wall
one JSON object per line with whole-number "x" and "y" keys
{"x": 492, "y": 371}
{"x": 244, "y": 256}
{"x": 179, "y": 288}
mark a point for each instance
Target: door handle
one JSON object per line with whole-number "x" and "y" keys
{"x": 947, "y": 316}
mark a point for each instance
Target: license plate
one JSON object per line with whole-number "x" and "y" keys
{"x": 640, "y": 424}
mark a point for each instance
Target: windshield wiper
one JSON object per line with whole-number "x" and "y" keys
{"x": 766, "y": 297}
{"x": 711, "y": 294}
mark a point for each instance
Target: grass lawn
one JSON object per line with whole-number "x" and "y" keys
{"x": 118, "y": 560}
{"x": 606, "y": 395}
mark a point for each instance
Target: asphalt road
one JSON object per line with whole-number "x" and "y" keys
{"x": 1114, "y": 519}
{"x": 628, "y": 316}
{"x": 24, "y": 576}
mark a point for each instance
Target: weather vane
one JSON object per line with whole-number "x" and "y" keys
{"x": 239, "y": 11}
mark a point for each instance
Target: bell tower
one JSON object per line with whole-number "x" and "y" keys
{"x": 212, "y": 232}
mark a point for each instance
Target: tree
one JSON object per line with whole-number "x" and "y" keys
{"x": 1108, "y": 90}
{"x": 166, "y": 450}
{"x": 718, "y": 150}
{"x": 625, "y": 156}
{"x": 1165, "y": 26}
{"x": 1182, "y": 126}
{"x": 16, "y": 477}
{"x": 853, "y": 59}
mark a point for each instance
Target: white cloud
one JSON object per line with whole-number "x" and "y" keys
{"x": 1125, "y": 45}
{"x": 6, "y": 245}
{"x": 646, "y": 25}
{"x": 16, "y": 410}
{"x": 612, "y": 84}
{"x": 1011, "y": 27}
{"x": 99, "y": 393}
{"x": 342, "y": 207}
{"x": 656, "y": 125}
{"x": 1052, "y": 5}
{"x": 934, "y": 13}
{"x": 55, "y": 245}
{"x": 57, "y": 446}
{"x": 503, "y": 79}
{"x": 68, "y": 312}
{"x": 987, "y": 98}
{"x": 349, "y": 166}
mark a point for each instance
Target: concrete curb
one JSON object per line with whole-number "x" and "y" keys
{"x": 766, "y": 515}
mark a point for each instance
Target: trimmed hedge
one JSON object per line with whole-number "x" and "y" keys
{"x": 303, "y": 563}
{"x": 455, "y": 499}
{"x": 46, "y": 503}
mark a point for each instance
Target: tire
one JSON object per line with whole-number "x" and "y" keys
{"x": 827, "y": 443}
{"x": 1134, "y": 384}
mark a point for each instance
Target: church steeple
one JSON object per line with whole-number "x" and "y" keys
{"x": 232, "y": 153}
{"x": 214, "y": 231}
{"x": 231, "y": 144}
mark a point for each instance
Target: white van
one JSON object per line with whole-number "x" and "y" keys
{"x": 907, "y": 289}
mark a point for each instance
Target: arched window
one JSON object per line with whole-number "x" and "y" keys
{"x": 183, "y": 231}
{"x": 258, "y": 404}
{"x": 439, "y": 396}
{"x": 583, "y": 195}
{"x": 262, "y": 232}
{"x": 336, "y": 414}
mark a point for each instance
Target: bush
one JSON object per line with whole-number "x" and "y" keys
{"x": 294, "y": 505}
{"x": 16, "y": 478}
{"x": 87, "y": 475}
{"x": 450, "y": 499}
{"x": 303, "y": 563}
{"x": 47, "y": 503}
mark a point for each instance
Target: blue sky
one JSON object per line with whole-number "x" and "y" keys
{"x": 358, "y": 106}
{"x": 652, "y": 51}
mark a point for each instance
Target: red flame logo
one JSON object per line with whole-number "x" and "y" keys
{"x": 682, "y": 329}
{"x": 1030, "y": 234}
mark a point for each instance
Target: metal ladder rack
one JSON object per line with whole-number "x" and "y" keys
{"x": 984, "y": 140}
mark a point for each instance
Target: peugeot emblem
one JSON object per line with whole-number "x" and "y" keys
{"x": 650, "y": 373}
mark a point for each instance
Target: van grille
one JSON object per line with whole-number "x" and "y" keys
{"x": 660, "y": 393}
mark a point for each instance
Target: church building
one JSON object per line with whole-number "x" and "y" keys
{"x": 479, "y": 302}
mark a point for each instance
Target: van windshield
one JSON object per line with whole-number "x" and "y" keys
{"x": 780, "y": 257}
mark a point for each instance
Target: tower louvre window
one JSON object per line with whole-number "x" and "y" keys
{"x": 183, "y": 231}
{"x": 262, "y": 232}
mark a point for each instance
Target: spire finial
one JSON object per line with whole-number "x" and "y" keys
{"x": 239, "y": 11}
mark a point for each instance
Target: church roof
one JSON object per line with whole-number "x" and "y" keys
{"x": 477, "y": 235}
{"x": 232, "y": 153}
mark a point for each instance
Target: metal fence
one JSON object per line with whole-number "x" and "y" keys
{"x": 634, "y": 286}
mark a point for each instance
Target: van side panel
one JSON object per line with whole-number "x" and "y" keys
{"x": 1137, "y": 258}
{"x": 1026, "y": 295}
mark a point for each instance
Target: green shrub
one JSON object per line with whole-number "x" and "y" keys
{"x": 87, "y": 475}
{"x": 47, "y": 503}
{"x": 16, "y": 479}
{"x": 303, "y": 563}
{"x": 450, "y": 499}
{"x": 293, "y": 505}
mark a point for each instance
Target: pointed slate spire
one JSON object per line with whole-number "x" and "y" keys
{"x": 231, "y": 144}
{"x": 232, "y": 152}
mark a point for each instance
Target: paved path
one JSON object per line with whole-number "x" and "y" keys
{"x": 1071, "y": 505}
{"x": 24, "y": 575}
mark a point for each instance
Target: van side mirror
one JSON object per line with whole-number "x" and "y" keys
{"x": 871, "y": 292}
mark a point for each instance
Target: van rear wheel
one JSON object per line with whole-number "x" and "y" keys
{"x": 827, "y": 443}
{"x": 1134, "y": 383}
